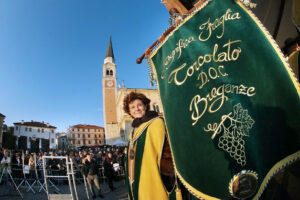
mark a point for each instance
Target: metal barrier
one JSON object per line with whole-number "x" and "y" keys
{"x": 34, "y": 181}
{"x": 6, "y": 172}
{"x": 69, "y": 174}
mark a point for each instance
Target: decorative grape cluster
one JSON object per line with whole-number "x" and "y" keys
{"x": 237, "y": 127}
{"x": 234, "y": 146}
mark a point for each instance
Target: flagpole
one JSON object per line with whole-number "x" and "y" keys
{"x": 161, "y": 38}
{"x": 174, "y": 13}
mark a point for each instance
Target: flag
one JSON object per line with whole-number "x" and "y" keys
{"x": 230, "y": 101}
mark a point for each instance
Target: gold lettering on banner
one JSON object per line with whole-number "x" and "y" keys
{"x": 180, "y": 45}
{"x": 209, "y": 69}
{"x": 228, "y": 54}
{"x": 207, "y": 28}
{"x": 214, "y": 100}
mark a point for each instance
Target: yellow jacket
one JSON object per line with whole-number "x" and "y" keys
{"x": 150, "y": 185}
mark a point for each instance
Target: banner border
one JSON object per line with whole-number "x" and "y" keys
{"x": 279, "y": 165}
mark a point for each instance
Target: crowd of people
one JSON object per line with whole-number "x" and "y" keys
{"x": 92, "y": 163}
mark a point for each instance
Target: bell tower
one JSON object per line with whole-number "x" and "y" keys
{"x": 109, "y": 86}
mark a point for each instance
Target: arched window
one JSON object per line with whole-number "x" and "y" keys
{"x": 156, "y": 107}
{"x": 111, "y": 73}
{"x": 107, "y": 72}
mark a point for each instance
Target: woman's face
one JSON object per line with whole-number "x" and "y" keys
{"x": 137, "y": 109}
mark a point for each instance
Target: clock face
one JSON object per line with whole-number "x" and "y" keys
{"x": 109, "y": 83}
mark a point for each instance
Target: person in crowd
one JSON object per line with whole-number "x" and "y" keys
{"x": 120, "y": 159}
{"x": 78, "y": 158}
{"x": 149, "y": 165}
{"x": 57, "y": 165}
{"x": 52, "y": 163}
{"x": 31, "y": 164}
{"x": 26, "y": 157}
{"x": 115, "y": 155}
{"x": 99, "y": 159}
{"x": 109, "y": 171}
{"x": 5, "y": 162}
{"x": 74, "y": 156}
{"x": 1, "y": 154}
{"x": 84, "y": 153}
{"x": 39, "y": 165}
{"x": 90, "y": 170}
{"x": 291, "y": 50}
{"x": 62, "y": 166}
{"x": 16, "y": 164}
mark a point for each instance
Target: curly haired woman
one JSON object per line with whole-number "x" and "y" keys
{"x": 150, "y": 172}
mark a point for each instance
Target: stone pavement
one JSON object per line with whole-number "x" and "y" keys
{"x": 7, "y": 192}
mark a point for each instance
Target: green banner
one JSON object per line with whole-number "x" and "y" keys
{"x": 230, "y": 101}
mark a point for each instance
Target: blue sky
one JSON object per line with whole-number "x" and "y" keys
{"x": 52, "y": 52}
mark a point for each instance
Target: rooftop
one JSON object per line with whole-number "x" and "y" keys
{"x": 87, "y": 126}
{"x": 35, "y": 124}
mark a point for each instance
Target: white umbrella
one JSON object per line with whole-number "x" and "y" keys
{"x": 119, "y": 142}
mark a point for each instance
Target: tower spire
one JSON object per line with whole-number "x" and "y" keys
{"x": 110, "y": 52}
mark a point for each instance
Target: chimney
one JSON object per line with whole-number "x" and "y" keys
{"x": 48, "y": 124}
{"x": 22, "y": 122}
{"x": 31, "y": 120}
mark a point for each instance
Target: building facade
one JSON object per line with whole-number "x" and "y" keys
{"x": 116, "y": 122}
{"x": 2, "y": 117}
{"x": 85, "y": 135}
{"x": 35, "y": 135}
{"x": 62, "y": 141}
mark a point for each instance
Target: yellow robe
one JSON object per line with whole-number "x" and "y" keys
{"x": 150, "y": 186}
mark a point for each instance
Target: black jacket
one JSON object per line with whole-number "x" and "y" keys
{"x": 90, "y": 168}
{"x": 108, "y": 167}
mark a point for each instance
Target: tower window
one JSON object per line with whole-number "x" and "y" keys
{"x": 111, "y": 73}
{"x": 107, "y": 72}
{"x": 156, "y": 108}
